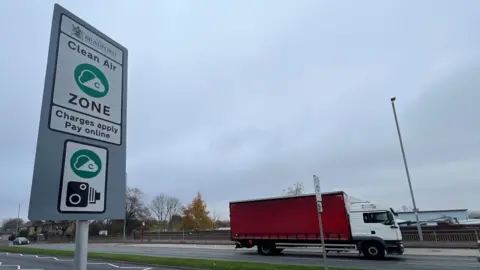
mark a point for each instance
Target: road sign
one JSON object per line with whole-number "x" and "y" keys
{"x": 316, "y": 184}
{"x": 81, "y": 139}
{"x": 84, "y": 179}
{"x": 87, "y": 89}
{"x": 319, "y": 207}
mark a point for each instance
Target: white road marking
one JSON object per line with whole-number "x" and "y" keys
{"x": 17, "y": 266}
{"x": 67, "y": 260}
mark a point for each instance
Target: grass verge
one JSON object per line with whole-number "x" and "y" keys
{"x": 163, "y": 261}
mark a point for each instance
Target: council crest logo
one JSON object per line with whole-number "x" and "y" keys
{"x": 77, "y": 31}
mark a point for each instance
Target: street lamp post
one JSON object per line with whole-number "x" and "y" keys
{"x": 415, "y": 209}
{"x": 18, "y": 221}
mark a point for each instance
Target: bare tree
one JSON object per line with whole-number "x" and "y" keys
{"x": 43, "y": 227}
{"x": 296, "y": 189}
{"x": 61, "y": 225}
{"x": 11, "y": 223}
{"x": 135, "y": 207}
{"x": 173, "y": 207}
{"x": 158, "y": 206}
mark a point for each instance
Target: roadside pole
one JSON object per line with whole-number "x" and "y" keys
{"x": 318, "y": 195}
{"x": 125, "y": 216}
{"x": 142, "y": 229}
{"x": 18, "y": 221}
{"x": 125, "y": 227}
{"x": 81, "y": 245}
{"x": 478, "y": 246}
{"x": 80, "y": 158}
{"x": 415, "y": 209}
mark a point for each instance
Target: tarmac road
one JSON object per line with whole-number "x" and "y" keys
{"x": 30, "y": 262}
{"x": 295, "y": 257}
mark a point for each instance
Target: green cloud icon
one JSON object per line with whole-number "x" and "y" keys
{"x": 90, "y": 80}
{"x": 84, "y": 163}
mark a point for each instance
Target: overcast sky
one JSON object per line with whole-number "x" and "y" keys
{"x": 240, "y": 99}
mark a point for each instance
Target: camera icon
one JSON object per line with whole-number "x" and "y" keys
{"x": 80, "y": 194}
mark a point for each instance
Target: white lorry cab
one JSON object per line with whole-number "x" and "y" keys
{"x": 375, "y": 224}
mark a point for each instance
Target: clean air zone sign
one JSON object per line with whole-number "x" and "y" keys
{"x": 80, "y": 158}
{"x": 87, "y": 91}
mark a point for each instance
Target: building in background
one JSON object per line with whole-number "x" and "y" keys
{"x": 433, "y": 217}
{"x": 4, "y": 235}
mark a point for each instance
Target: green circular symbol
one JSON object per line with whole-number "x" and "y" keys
{"x": 85, "y": 163}
{"x": 91, "y": 80}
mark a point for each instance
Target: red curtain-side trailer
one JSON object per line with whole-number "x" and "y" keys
{"x": 291, "y": 218}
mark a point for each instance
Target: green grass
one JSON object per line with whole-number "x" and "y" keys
{"x": 162, "y": 261}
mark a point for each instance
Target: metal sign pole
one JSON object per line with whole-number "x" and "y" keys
{"x": 318, "y": 195}
{"x": 81, "y": 245}
{"x": 322, "y": 239}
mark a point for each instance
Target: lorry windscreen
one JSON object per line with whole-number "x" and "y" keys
{"x": 381, "y": 217}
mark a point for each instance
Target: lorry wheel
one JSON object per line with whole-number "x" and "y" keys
{"x": 372, "y": 250}
{"x": 266, "y": 248}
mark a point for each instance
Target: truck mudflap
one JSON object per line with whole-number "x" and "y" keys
{"x": 394, "y": 247}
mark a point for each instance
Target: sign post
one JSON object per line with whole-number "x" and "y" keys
{"x": 318, "y": 195}
{"x": 80, "y": 160}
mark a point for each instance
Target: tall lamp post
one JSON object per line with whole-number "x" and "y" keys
{"x": 18, "y": 222}
{"x": 415, "y": 209}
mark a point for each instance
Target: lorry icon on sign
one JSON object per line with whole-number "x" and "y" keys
{"x": 85, "y": 163}
{"x": 91, "y": 80}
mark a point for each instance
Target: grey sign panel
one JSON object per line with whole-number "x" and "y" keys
{"x": 80, "y": 161}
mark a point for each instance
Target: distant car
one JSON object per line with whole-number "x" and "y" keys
{"x": 21, "y": 241}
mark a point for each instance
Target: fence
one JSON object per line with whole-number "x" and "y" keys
{"x": 432, "y": 238}
{"x": 428, "y": 236}
{"x": 443, "y": 236}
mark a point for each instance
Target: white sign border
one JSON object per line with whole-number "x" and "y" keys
{"x": 54, "y": 80}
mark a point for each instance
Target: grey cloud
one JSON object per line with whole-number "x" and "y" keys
{"x": 241, "y": 99}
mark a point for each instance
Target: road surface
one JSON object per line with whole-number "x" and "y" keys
{"x": 30, "y": 262}
{"x": 458, "y": 261}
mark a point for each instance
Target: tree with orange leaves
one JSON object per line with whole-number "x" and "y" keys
{"x": 195, "y": 215}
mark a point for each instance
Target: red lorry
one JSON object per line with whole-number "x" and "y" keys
{"x": 273, "y": 224}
